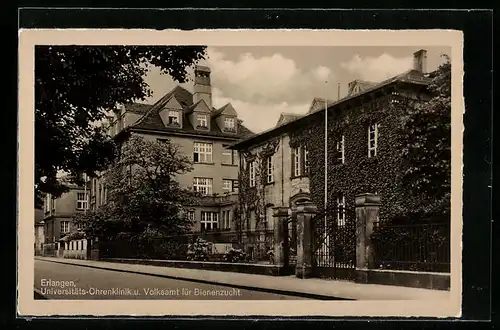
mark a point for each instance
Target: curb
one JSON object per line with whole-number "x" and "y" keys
{"x": 237, "y": 286}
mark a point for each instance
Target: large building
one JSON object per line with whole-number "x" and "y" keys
{"x": 202, "y": 132}
{"x": 286, "y": 164}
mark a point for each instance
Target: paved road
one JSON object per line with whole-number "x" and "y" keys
{"x": 63, "y": 281}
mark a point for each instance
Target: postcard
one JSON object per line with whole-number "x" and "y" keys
{"x": 250, "y": 173}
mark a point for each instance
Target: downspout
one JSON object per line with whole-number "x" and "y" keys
{"x": 282, "y": 174}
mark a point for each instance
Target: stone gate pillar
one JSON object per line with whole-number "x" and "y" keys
{"x": 281, "y": 246}
{"x": 305, "y": 214}
{"x": 367, "y": 210}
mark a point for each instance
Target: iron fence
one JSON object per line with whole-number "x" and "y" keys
{"x": 258, "y": 246}
{"x": 255, "y": 246}
{"x": 413, "y": 247}
{"x": 335, "y": 240}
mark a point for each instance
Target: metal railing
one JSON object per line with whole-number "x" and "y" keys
{"x": 413, "y": 247}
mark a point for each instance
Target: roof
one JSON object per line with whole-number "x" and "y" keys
{"x": 410, "y": 76}
{"x": 151, "y": 119}
{"x": 363, "y": 84}
{"x": 202, "y": 68}
{"x": 140, "y": 108}
{"x": 318, "y": 103}
{"x": 286, "y": 117}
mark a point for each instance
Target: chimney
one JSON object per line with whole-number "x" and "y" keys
{"x": 420, "y": 61}
{"x": 202, "y": 87}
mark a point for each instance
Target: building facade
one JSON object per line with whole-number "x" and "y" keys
{"x": 39, "y": 231}
{"x": 202, "y": 133}
{"x": 58, "y": 217}
{"x": 286, "y": 164}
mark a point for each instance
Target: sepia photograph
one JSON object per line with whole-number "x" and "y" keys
{"x": 215, "y": 172}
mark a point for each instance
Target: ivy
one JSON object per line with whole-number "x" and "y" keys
{"x": 252, "y": 199}
{"x": 359, "y": 173}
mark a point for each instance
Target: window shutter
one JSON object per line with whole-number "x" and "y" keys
{"x": 293, "y": 162}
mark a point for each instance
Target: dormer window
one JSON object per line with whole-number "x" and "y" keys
{"x": 201, "y": 121}
{"x": 173, "y": 118}
{"x": 229, "y": 124}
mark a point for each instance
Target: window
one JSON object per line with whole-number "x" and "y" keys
{"x": 64, "y": 227}
{"x": 227, "y": 185}
{"x": 268, "y": 216}
{"x": 201, "y": 121}
{"x": 53, "y": 204}
{"x": 341, "y": 210}
{"x": 209, "y": 220}
{"x": 296, "y": 163}
{"x": 226, "y": 219}
{"x": 100, "y": 194}
{"x": 270, "y": 169}
{"x": 372, "y": 140}
{"x": 230, "y": 157}
{"x": 191, "y": 215}
{"x": 251, "y": 169}
{"x": 81, "y": 201}
{"x": 203, "y": 185}
{"x": 340, "y": 150}
{"x": 48, "y": 202}
{"x": 229, "y": 124}
{"x": 202, "y": 152}
{"x": 173, "y": 117}
{"x": 235, "y": 185}
{"x": 306, "y": 160}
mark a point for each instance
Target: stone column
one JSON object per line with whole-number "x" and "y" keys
{"x": 367, "y": 210}
{"x": 281, "y": 248}
{"x": 305, "y": 213}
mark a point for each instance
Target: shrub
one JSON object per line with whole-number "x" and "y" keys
{"x": 199, "y": 250}
{"x": 235, "y": 255}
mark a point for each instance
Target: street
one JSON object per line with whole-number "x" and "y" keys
{"x": 63, "y": 281}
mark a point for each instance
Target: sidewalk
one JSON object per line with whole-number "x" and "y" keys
{"x": 323, "y": 289}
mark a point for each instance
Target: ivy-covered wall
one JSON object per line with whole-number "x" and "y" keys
{"x": 359, "y": 173}
{"x": 259, "y": 200}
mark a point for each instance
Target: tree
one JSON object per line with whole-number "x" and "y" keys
{"x": 76, "y": 86}
{"x": 427, "y": 149}
{"x": 145, "y": 201}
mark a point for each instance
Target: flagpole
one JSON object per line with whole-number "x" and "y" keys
{"x": 326, "y": 164}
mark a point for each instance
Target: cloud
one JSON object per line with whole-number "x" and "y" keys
{"x": 265, "y": 79}
{"x": 258, "y": 116}
{"x": 322, "y": 73}
{"x": 259, "y": 88}
{"x": 377, "y": 68}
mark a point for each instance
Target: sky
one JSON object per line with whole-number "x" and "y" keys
{"x": 263, "y": 82}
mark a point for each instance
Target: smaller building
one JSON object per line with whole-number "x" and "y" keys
{"x": 58, "y": 215}
{"x": 39, "y": 232}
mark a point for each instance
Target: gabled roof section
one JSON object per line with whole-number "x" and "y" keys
{"x": 199, "y": 106}
{"x": 286, "y": 117}
{"x": 151, "y": 120}
{"x": 173, "y": 104}
{"x": 318, "y": 104}
{"x": 359, "y": 85}
{"x": 227, "y": 110}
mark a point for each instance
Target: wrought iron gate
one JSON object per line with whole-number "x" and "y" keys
{"x": 334, "y": 244}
